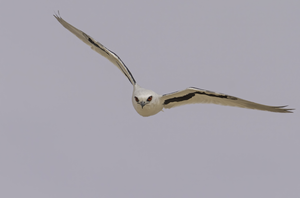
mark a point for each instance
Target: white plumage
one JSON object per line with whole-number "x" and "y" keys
{"x": 147, "y": 102}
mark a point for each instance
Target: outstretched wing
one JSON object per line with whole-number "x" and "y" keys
{"x": 194, "y": 95}
{"x": 98, "y": 47}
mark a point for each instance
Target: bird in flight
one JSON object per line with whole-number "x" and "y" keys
{"x": 147, "y": 103}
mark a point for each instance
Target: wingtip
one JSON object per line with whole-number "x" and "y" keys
{"x": 283, "y": 110}
{"x": 57, "y": 15}
{"x": 290, "y": 110}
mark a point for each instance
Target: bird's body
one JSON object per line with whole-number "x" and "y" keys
{"x": 150, "y": 107}
{"x": 147, "y": 102}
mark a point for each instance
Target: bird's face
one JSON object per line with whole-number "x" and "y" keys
{"x": 146, "y": 105}
{"x": 146, "y": 102}
{"x": 142, "y": 100}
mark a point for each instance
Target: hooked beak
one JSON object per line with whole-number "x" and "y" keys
{"x": 142, "y": 103}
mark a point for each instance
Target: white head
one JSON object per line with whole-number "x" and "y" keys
{"x": 146, "y": 102}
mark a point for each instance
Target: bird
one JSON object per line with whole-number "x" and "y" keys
{"x": 147, "y": 103}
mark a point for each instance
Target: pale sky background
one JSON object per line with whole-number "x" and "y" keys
{"x": 68, "y": 127}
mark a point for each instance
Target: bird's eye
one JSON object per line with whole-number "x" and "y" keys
{"x": 136, "y": 99}
{"x": 149, "y": 99}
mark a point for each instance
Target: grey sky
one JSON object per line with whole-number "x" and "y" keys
{"x": 68, "y": 128}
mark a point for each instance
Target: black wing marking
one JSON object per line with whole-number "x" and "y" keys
{"x": 190, "y": 95}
